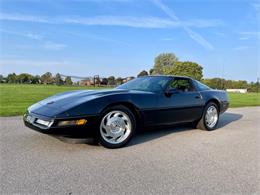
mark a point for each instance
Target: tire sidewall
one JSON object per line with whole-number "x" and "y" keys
{"x": 204, "y": 116}
{"x": 133, "y": 124}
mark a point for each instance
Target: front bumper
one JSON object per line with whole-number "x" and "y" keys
{"x": 84, "y": 131}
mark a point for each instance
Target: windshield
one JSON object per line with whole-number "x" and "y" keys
{"x": 152, "y": 84}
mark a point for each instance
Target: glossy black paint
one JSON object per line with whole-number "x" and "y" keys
{"x": 150, "y": 108}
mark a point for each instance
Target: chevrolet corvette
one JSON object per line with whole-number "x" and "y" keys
{"x": 113, "y": 116}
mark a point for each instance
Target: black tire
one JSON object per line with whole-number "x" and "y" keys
{"x": 201, "y": 124}
{"x": 131, "y": 116}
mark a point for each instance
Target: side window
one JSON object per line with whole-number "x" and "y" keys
{"x": 183, "y": 85}
{"x": 202, "y": 87}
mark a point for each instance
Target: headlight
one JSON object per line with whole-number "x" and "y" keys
{"x": 72, "y": 122}
{"x": 43, "y": 122}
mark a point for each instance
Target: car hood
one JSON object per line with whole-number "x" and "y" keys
{"x": 61, "y": 102}
{"x": 77, "y": 96}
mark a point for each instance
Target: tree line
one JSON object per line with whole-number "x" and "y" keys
{"x": 50, "y": 79}
{"x": 220, "y": 83}
{"x": 26, "y": 78}
{"x": 169, "y": 64}
{"x": 164, "y": 64}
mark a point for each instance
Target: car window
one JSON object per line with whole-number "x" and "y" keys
{"x": 183, "y": 85}
{"x": 147, "y": 83}
{"x": 202, "y": 87}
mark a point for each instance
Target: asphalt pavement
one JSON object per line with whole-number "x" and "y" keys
{"x": 179, "y": 160}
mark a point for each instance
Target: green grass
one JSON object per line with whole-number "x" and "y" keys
{"x": 242, "y": 100}
{"x": 15, "y": 98}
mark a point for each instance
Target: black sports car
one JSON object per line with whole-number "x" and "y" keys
{"x": 113, "y": 116}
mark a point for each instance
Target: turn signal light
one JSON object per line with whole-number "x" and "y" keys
{"x": 81, "y": 122}
{"x": 72, "y": 122}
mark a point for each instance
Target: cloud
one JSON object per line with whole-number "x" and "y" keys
{"x": 244, "y": 38}
{"x": 168, "y": 39}
{"x": 53, "y": 46}
{"x": 34, "y": 36}
{"x": 98, "y": 37}
{"x": 220, "y": 34}
{"x": 30, "y": 35}
{"x": 250, "y": 34}
{"x": 22, "y": 62}
{"x": 49, "y": 45}
{"x": 241, "y": 48}
{"x": 195, "y": 36}
{"x": 73, "y": 1}
{"x": 137, "y": 22}
{"x": 256, "y": 5}
{"x": 128, "y": 21}
{"x": 99, "y": 1}
{"x": 24, "y": 18}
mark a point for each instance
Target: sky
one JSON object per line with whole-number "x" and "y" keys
{"x": 122, "y": 37}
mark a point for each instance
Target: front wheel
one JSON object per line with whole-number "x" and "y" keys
{"x": 210, "y": 117}
{"x": 117, "y": 127}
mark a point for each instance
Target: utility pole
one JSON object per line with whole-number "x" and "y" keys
{"x": 96, "y": 77}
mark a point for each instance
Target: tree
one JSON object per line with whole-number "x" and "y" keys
{"x": 119, "y": 81}
{"x": 11, "y": 78}
{"x": 162, "y": 61}
{"x": 190, "y": 69}
{"x": 68, "y": 81}
{"x": 58, "y": 80}
{"x": 220, "y": 83}
{"x": 142, "y": 73}
{"x": 111, "y": 80}
{"x": 104, "y": 81}
{"x": 36, "y": 79}
{"x": 24, "y": 78}
{"x": 151, "y": 71}
{"x": 47, "y": 78}
{"x": 1, "y": 78}
{"x": 215, "y": 83}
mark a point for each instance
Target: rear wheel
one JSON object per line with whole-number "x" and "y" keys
{"x": 210, "y": 117}
{"x": 116, "y": 127}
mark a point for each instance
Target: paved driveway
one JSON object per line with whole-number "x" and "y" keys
{"x": 178, "y": 160}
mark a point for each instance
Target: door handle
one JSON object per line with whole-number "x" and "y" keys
{"x": 198, "y": 97}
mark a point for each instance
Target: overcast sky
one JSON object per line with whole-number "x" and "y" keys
{"x": 122, "y": 37}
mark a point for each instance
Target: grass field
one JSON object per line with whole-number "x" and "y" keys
{"x": 15, "y": 98}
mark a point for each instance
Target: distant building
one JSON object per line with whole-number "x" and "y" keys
{"x": 237, "y": 90}
{"x": 86, "y": 82}
{"x": 100, "y": 81}
{"x": 89, "y": 82}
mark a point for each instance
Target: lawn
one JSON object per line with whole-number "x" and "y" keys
{"x": 242, "y": 100}
{"x": 15, "y": 98}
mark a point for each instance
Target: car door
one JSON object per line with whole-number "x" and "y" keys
{"x": 182, "y": 103}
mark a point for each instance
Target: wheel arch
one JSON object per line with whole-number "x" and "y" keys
{"x": 214, "y": 100}
{"x": 130, "y": 106}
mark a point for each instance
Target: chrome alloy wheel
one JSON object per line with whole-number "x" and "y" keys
{"x": 115, "y": 127}
{"x": 211, "y": 117}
